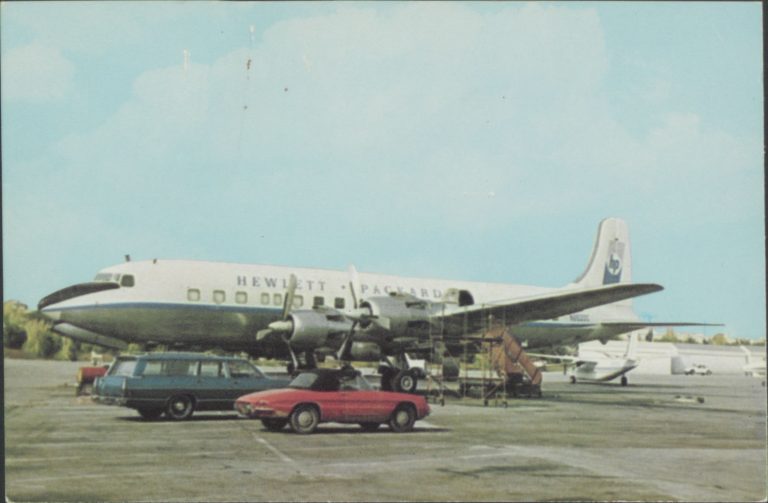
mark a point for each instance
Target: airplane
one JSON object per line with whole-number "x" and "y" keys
{"x": 753, "y": 367}
{"x": 305, "y": 314}
{"x": 599, "y": 369}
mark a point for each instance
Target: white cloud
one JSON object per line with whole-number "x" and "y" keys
{"x": 36, "y": 73}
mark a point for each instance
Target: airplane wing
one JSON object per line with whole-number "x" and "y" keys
{"x": 561, "y": 358}
{"x": 542, "y": 307}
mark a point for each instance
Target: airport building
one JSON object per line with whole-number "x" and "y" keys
{"x": 664, "y": 358}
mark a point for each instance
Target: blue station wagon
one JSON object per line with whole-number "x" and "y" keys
{"x": 178, "y": 384}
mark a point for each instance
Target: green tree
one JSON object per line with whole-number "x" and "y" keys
{"x": 719, "y": 339}
{"x": 40, "y": 340}
{"x": 14, "y": 319}
{"x": 669, "y": 336}
{"x": 68, "y": 350}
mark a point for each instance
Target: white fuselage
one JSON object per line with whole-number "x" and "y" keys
{"x": 225, "y": 304}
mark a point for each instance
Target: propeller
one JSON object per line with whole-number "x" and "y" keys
{"x": 283, "y": 325}
{"x": 361, "y": 315}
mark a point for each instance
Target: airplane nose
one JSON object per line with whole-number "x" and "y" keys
{"x": 73, "y": 291}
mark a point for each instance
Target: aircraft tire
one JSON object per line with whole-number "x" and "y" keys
{"x": 405, "y": 381}
{"x": 180, "y": 407}
{"x": 402, "y": 419}
{"x": 573, "y": 379}
{"x": 624, "y": 380}
{"x": 304, "y": 419}
{"x": 274, "y": 424}
{"x": 150, "y": 414}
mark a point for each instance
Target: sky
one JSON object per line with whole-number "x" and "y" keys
{"x": 474, "y": 141}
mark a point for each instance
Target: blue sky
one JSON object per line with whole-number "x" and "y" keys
{"x": 477, "y": 141}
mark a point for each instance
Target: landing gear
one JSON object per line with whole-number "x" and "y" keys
{"x": 573, "y": 379}
{"x": 624, "y": 380}
{"x": 405, "y": 381}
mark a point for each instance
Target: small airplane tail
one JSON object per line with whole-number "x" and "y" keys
{"x": 611, "y": 260}
{"x": 631, "y": 352}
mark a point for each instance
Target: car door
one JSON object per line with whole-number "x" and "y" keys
{"x": 359, "y": 402}
{"x": 212, "y": 385}
{"x": 244, "y": 378}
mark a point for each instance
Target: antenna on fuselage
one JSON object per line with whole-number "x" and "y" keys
{"x": 127, "y": 257}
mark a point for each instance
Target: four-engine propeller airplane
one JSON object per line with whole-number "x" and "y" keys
{"x": 301, "y": 313}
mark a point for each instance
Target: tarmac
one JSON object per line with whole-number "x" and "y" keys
{"x": 670, "y": 438}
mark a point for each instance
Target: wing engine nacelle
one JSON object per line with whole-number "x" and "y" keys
{"x": 400, "y": 314}
{"x": 308, "y": 330}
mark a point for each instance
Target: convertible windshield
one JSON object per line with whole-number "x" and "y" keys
{"x": 303, "y": 381}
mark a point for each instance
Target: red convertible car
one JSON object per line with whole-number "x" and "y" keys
{"x": 324, "y": 395}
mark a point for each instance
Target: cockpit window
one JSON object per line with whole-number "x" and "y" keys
{"x": 127, "y": 280}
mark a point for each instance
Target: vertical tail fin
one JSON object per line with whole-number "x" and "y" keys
{"x": 631, "y": 351}
{"x": 611, "y": 260}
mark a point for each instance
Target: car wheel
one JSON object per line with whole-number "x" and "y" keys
{"x": 274, "y": 424}
{"x": 180, "y": 407}
{"x": 405, "y": 381}
{"x": 304, "y": 419}
{"x": 369, "y": 426}
{"x": 150, "y": 414}
{"x": 402, "y": 419}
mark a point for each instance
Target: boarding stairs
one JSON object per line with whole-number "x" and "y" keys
{"x": 508, "y": 358}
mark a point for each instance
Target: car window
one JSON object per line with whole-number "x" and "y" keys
{"x": 241, "y": 368}
{"x": 211, "y": 369}
{"x": 123, "y": 367}
{"x": 303, "y": 381}
{"x": 170, "y": 367}
{"x": 353, "y": 383}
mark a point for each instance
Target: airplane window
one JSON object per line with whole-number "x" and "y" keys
{"x": 193, "y": 295}
{"x": 298, "y": 301}
{"x": 127, "y": 280}
{"x": 338, "y": 303}
{"x": 277, "y": 299}
{"x": 218, "y": 296}
{"x": 241, "y": 297}
{"x": 265, "y": 298}
{"x": 318, "y": 301}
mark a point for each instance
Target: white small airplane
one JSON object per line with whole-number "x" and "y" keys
{"x": 601, "y": 368}
{"x": 753, "y": 367}
{"x": 291, "y": 313}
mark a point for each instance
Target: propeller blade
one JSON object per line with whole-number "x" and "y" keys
{"x": 281, "y": 326}
{"x": 263, "y": 334}
{"x": 354, "y": 285}
{"x": 289, "y": 294}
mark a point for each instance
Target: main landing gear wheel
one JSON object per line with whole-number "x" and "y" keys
{"x": 623, "y": 380}
{"x": 180, "y": 407}
{"x": 304, "y": 419}
{"x": 274, "y": 424}
{"x": 402, "y": 419}
{"x": 405, "y": 381}
{"x": 573, "y": 379}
